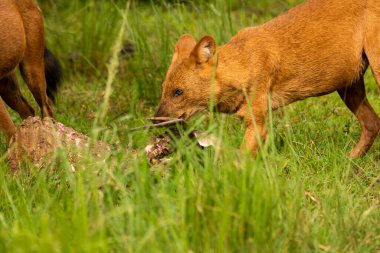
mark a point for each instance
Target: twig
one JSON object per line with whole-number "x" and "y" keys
{"x": 170, "y": 122}
{"x": 163, "y": 119}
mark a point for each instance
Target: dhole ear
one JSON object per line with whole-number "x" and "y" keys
{"x": 204, "y": 50}
{"x": 183, "y": 47}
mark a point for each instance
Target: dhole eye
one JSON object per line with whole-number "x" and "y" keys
{"x": 178, "y": 92}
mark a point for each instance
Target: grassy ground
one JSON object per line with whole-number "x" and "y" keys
{"x": 302, "y": 194}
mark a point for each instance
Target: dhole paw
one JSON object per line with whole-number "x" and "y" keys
{"x": 357, "y": 153}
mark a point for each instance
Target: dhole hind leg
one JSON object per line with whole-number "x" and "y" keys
{"x": 356, "y": 100}
{"x": 6, "y": 123}
{"x": 11, "y": 94}
{"x": 33, "y": 66}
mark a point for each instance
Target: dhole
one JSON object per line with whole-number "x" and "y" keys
{"x": 316, "y": 48}
{"x": 22, "y": 44}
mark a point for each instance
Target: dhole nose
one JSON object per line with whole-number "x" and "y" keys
{"x": 160, "y": 113}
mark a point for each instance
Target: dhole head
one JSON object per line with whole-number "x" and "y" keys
{"x": 187, "y": 88}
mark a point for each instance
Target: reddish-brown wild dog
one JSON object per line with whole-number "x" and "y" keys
{"x": 22, "y": 44}
{"x": 316, "y": 48}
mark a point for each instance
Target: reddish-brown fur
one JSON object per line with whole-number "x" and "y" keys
{"x": 316, "y": 48}
{"x": 22, "y": 44}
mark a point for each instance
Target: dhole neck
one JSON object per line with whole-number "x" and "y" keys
{"x": 231, "y": 79}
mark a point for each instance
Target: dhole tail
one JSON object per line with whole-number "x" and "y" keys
{"x": 53, "y": 74}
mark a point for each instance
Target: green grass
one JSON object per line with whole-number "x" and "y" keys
{"x": 301, "y": 194}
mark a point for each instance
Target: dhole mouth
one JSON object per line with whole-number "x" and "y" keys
{"x": 182, "y": 116}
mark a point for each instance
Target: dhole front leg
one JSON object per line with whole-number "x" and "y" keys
{"x": 256, "y": 129}
{"x": 255, "y": 135}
